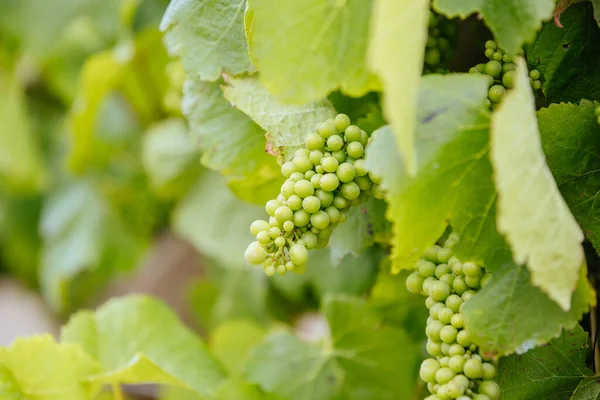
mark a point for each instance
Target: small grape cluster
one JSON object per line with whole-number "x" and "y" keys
{"x": 457, "y": 370}
{"x": 500, "y": 71}
{"x": 439, "y": 49}
{"x": 323, "y": 181}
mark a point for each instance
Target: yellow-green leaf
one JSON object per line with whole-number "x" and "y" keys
{"x": 532, "y": 214}
{"x": 397, "y": 45}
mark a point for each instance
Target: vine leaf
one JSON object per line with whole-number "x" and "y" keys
{"x": 511, "y": 315}
{"x": 532, "y": 214}
{"x": 548, "y": 372}
{"x": 38, "y": 368}
{"x": 137, "y": 339}
{"x": 286, "y": 125}
{"x": 396, "y": 55}
{"x": 209, "y": 36}
{"x": 362, "y": 358}
{"x": 567, "y": 57}
{"x": 512, "y": 22}
{"x": 215, "y": 221}
{"x": 569, "y": 135}
{"x": 588, "y": 389}
{"x": 453, "y": 180}
{"x": 240, "y": 154}
{"x": 322, "y": 44}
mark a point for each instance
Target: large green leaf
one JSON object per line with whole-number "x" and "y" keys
{"x": 567, "y": 57}
{"x": 169, "y": 157}
{"x": 81, "y": 232}
{"x": 321, "y": 44}
{"x": 548, "y": 372}
{"x": 513, "y": 22}
{"x": 363, "y": 359}
{"x": 137, "y": 339}
{"x": 215, "y": 221}
{"x": 532, "y": 214}
{"x": 240, "y": 153}
{"x": 208, "y": 35}
{"x": 285, "y": 125}
{"x": 21, "y": 162}
{"x": 453, "y": 181}
{"x": 511, "y": 315}
{"x": 38, "y": 368}
{"x": 570, "y": 140}
{"x": 396, "y": 54}
{"x": 588, "y": 389}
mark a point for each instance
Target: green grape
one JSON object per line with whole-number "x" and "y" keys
{"x": 334, "y": 214}
{"x": 287, "y": 168}
{"x": 320, "y": 220}
{"x": 497, "y": 56}
{"x": 329, "y": 182}
{"x": 459, "y": 285}
{"x": 304, "y": 188}
{"x": 433, "y": 56}
{"x": 289, "y": 266}
{"x": 259, "y": 226}
{"x": 448, "y": 334}
{"x": 326, "y": 129}
{"x": 345, "y": 172}
{"x": 490, "y": 44}
{"x": 414, "y": 282}
{"x": 330, "y": 164}
{"x": 340, "y": 202}
{"x": 435, "y": 308}
{"x": 288, "y": 226}
{"x": 263, "y": 237}
{"x": 280, "y": 241}
{"x": 255, "y": 255}
{"x": 302, "y": 164}
{"x": 471, "y": 269}
{"x": 429, "y": 368}
{"x": 363, "y": 182}
{"x": 311, "y": 204}
{"x": 310, "y": 239}
{"x": 535, "y": 74}
{"x": 294, "y": 202}
{"x": 298, "y": 254}
{"x": 508, "y": 79}
{"x": 287, "y": 189}
{"x": 468, "y": 295}
{"x": 296, "y": 176}
{"x": 341, "y": 122}
{"x": 364, "y": 138}
{"x": 496, "y": 93}
{"x": 433, "y": 330}
{"x": 493, "y": 68}
{"x": 434, "y": 348}
{"x": 537, "y": 85}
{"x": 456, "y": 350}
{"x": 283, "y": 213}
{"x": 274, "y": 223}
{"x": 352, "y": 133}
{"x": 473, "y": 281}
{"x": 473, "y": 369}
{"x": 441, "y": 269}
{"x": 301, "y": 218}
{"x": 339, "y": 155}
{"x": 350, "y": 190}
{"x": 445, "y": 314}
{"x": 325, "y": 198}
{"x": 314, "y": 141}
{"x": 489, "y": 53}
{"x": 457, "y": 363}
{"x": 335, "y": 142}
{"x": 426, "y": 268}
{"x": 355, "y": 150}
{"x": 315, "y": 157}
{"x": 439, "y": 290}
{"x": 457, "y": 321}
{"x": 444, "y": 375}
{"x": 463, "y": 338}
{"x": 274, "y": 232}
{"x": 271, "y": 206}
{"x": 309, "y": 174}
{"x": 481, "y": 397}
{"x": 509, "y": 66}
{"x": 360, "y": 167}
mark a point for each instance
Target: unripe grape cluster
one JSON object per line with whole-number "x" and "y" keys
{"x": 456, "y": 369}
{"x": 501, "y": 73}
{"x": 323, "y": 180}
{"x": 439, "y": 48}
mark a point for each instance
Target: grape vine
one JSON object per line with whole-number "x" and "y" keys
{"x": 323, "y": 180}
{"x": 457, "y": 369}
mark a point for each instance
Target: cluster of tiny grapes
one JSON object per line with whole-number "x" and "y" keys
{"x": 500, "y": 71}
{"x": 439, "y": 49}
{"x": 323, "y": 180}
{"x": 456, "y": 369}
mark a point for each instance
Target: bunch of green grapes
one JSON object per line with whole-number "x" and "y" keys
{"x": 438, "y": 51}
{"x": 456, "y": 369}
{"x": 500, "y": 71}
{"x": 323, "y": 181}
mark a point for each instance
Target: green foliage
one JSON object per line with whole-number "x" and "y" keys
{"x": 113, "y": 135}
